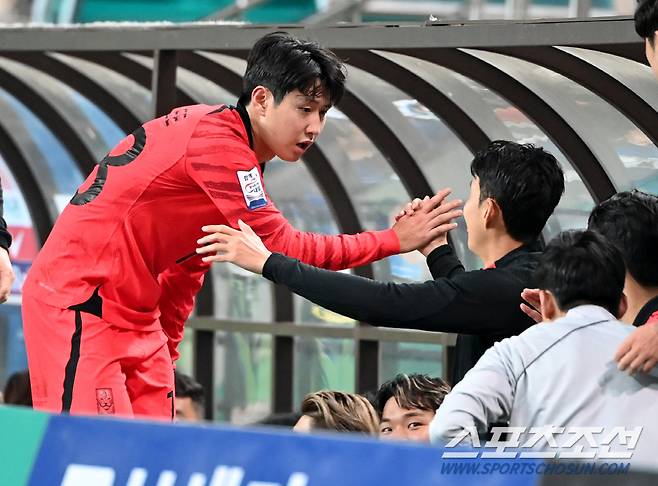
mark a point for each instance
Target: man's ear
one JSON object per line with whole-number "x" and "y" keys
{"x": 623, "y": 306}
{"x": 261, "y": 99}
{"x": 548, "y": 305}
{"x": 492, "y": 213}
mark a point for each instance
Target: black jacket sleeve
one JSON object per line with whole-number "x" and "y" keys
{"x": 443, "y": 263}
{"x": 5, "y": 237}
{"x": 469, "y": 303}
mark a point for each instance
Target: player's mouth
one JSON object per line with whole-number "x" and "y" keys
{"x": 304, "y": 145}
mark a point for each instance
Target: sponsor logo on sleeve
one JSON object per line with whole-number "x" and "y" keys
{"x": 252, "y": 188}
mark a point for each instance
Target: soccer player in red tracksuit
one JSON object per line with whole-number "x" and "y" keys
{"x": 106, "y": 299}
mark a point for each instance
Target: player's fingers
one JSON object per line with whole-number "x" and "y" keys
{"x": 246, "y": 228}
{"x": 532, "y": 313}
{"x": 219, "y": 228}
{"x": 623, "y": 349}
{"x": 441, "y": 230}
{"x": 445, "y": 218}
{"x": 415, "y": 204}
{"x": 627, "y": 359}
{"x": 635, "y": 365}
{"x": 213, "y": 247}
{"x": 437, "y": 199}
{"x": 649, "y": 365}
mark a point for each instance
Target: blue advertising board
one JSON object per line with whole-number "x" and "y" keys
{"x": 91, "y": 452}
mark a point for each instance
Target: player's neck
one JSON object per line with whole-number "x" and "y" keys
{"x": 496, "y": 247}
{"x": 260, "y": 148}
{"x": 637, "y": 296}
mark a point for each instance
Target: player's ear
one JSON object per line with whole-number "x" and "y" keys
{"x": 261, "y": 98}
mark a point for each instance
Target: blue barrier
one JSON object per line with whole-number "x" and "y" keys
{"x": 94, "y": 452}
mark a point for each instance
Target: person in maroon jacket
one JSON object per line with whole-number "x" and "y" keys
{"x": 106, "y": 299}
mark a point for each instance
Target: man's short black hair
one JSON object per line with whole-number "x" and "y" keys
{"x": 188, "y": 387}
{"x": 524, "y": 180}
{"x": 412, "y": 391}
{"x": 646, "y": 19}
{"x": 282, "y": 64}
{"x": 630, "y": 221}
{"x": 582, "y": 267}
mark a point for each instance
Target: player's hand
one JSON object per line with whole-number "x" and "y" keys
{"x": 6, "y": 275}
{"x": 410, "y": 207}
{"x": 532, "y": 305}
{"x": 243, "y": 248}
{"x": 639, "y": 351}
{"x": 432, "y": 220}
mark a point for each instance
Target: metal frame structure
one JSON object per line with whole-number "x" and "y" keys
{"x": 173, "y": 46}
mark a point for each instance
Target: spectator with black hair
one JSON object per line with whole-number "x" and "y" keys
{"x": 513, "y": 192}
{"x": 629, "y": 220}
{"x": 190, "y": 398}
{"x": 560, "y": 373}
{"x": 406, "y": 405}
{"x": 17, "y": 389}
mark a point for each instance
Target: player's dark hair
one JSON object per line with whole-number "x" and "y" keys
{"x": 282, "y": 64}
{"x": 412, "y": 391}
{"x": 646, "y": 19}
{"x": 524, "y": 180}
{"x": 582, "y": 267}
{"x": 629, "y": 220}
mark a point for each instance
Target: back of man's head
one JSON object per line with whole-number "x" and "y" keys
{"x": 582, "y": 267}
{"x": 630, "y": 221}
{"x": 646, "y": 19}
{"x": 190, "y": 398}
{"x": 412, "y": 391}
{"x": 525, "y": 181}
{"x": 283, "y": 63}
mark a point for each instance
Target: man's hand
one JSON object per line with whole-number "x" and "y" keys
{"x": 639, "y": 351}
{"x": 6, "y": 275}
{"x": 225, "y": 244}
{"x": 531, "y": 296}
{"x": 431, "y": 220}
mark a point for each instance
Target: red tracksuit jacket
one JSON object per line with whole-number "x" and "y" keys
{"x": 131, "y": 228}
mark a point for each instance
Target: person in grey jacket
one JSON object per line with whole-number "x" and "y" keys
{"x": 561, "y": 373}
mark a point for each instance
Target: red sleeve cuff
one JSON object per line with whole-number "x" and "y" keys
{"x": 389, "y": 243}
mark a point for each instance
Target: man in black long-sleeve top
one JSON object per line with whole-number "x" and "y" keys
{"x": 513, "y": 192}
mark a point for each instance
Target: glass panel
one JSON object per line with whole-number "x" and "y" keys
{"x": 410, "y": 358}
{"x": 375, "y": 189}
{"x": 501, "y": 120}
{"x": 625, "y": 152}
{"x": 132, "y": 95}
{"x": 421, "y": 132}
{"x": 322, "y": 364}
{"x": 22, "y": 252}
{"x": 243, "y": 377}
{"x": 83, "y": 118}
{"x": 642, "y": 81}
{"x": 58, "y": 174}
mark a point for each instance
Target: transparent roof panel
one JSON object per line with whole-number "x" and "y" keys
{"x": 133, "y": 96}
{"x": 375, "y": 189}
{"x": 467, "y": 94}
{"x": 627, "y": 155}
{"x": 433, "y": 145}
{"x": 59, "y": 177}
{"x": 501, "y": 120}
{"x": 85, "y": 120}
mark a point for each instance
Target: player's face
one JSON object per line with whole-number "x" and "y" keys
{"x": 410, "y": 424}
{"x": 652, "y": 56}
{"x": 304, "y": 424}
{"x": 294, "y": 125}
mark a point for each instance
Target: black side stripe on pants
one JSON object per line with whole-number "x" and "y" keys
{"x": 94, "y": 305}
{"x": 72, "y": 365}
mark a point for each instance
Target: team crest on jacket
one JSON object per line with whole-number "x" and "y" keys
{"x": 104, "y": 401}
{"x": 252, "y": 188}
